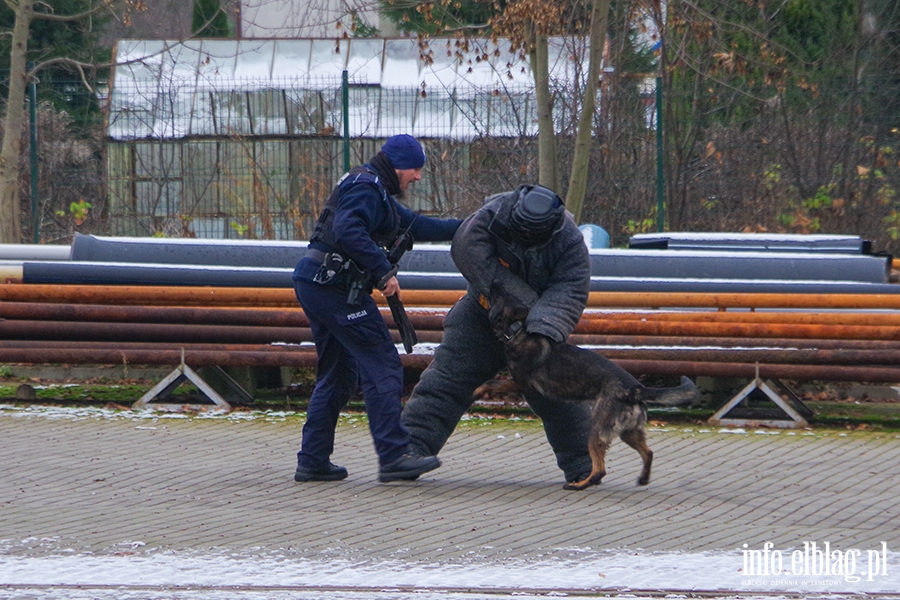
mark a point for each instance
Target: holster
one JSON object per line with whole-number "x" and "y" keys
{"x": 343, "y": 273}
{"x": 358, "y": 282}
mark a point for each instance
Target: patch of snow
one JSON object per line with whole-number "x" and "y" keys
{"x": 145, "y": 414}
{"x": 615, "y": 571}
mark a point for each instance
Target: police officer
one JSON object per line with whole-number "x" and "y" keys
{"x": 333, "y": 282}
{"x": 524, "y": 244}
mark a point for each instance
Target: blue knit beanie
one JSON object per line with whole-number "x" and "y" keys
{"x": 404, "y": 151}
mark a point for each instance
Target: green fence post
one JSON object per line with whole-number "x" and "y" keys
{"x": 660, "y": 187}
{"x": 345, "y": 101}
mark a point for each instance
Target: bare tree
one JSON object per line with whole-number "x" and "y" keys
{"x": 548, "y": 170}
{"x": 773, "y": 112}
{"x": 527, "y": 25}
{"x": 313, "y": 18}
{"x": 25, "y": 13}
{"x": 581, "y": 160}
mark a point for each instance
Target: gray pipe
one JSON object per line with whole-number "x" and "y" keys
{"x": 717, "y": 264}
{"x": 738, "y": 242}
{"x": 19, "y": 252}
{"x": 789, "y": 266}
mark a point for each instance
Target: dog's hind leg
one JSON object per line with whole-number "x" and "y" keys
{"x": 597, "y": 448}
{"x": 637, "y": 439}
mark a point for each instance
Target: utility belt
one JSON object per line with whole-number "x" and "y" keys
{"x": 341, "y": 273}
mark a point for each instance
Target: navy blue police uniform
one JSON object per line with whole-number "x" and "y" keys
{"x": 352, "y": 340}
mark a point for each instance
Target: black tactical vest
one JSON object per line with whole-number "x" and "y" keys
{"x": 324, "y": 231}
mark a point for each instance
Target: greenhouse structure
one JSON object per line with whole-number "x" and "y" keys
{"x": 245, "y": 138}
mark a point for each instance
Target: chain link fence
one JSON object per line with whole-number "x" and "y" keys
{"x": 832, "y": 168}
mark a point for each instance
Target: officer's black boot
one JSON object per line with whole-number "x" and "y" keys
{"x": 319, "y": 472}
{"x": 407, "y": 468}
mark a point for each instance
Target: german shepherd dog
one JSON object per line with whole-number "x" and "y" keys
{"x": 566, "y": 372}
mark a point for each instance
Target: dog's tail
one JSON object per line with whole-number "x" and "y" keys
{"x": 683, "y": 395}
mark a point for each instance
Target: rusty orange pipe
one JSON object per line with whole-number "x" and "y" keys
{"x": 117, "y": 356}
{"x": 735, "y": 300}
{"x": 793, "y": 356}
{"x": 428, "y": 329}
{"x": 651, "y": 341}
{"x": 602, "y": 344}
{"x": 424, "y": 318}
{"x": 81, "y": 315}
{"x": 190, "y": 296}
{"x": 107, "y": 313}
{"x": 136, "y": 294}
{"x": 224, "y": 316}
{"x": 218, "y": 296}
{"x": 16, "y": 329}
{"x": 829, "y": 318}
{"x": 303, "y": 358}
{"x": 756, "y": 330}
{"x": 193, "y": 346}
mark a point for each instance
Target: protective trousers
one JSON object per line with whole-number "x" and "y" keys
{"x": 354, "y": 349}
{"x": 469, "y": 355}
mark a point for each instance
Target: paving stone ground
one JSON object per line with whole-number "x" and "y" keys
{"x": 98, "y": 485}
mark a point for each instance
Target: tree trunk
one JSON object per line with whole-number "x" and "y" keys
{"x": 582, "y": 155}
{"x": 547, "y": 172}
{"x": 10, "y": 208}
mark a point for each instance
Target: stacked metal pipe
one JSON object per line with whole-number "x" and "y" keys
{"x": 840, "y": 339}
{"x": 717, "y": 268}
{"x": 852, "y": 336}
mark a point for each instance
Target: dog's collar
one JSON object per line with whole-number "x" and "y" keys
{"x": 513, "y": 330}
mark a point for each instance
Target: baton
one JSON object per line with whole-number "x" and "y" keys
{"x": 404, "y": 327}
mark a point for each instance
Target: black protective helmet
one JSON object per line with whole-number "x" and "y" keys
{"x": 536, "y": 214}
